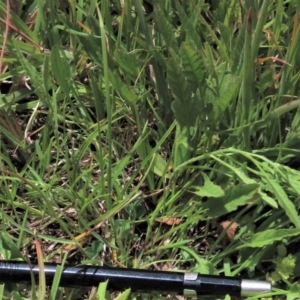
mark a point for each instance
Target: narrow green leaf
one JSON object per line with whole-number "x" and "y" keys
{"x": 284, "y": 201}
{"x": 268, "y": 237}
{"x": 36, "y": 81}
{"x": 19, "y": 23}
{"x": 203, "y": 265}
{"x": 47, "y": 80}
{"x": 55, "y": 291}
{"x": 238, "y": 50}
{"x": 270, "y": 201}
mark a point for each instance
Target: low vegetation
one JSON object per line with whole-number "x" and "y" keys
{"x": 151, "y": 134}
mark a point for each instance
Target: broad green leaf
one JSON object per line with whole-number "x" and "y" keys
{"x": 205, "y": 267}
{"x": 235, "y": 196}
{"x": 268, "y": 237}
{"x": 209, "y": 189}
{"x": 6, "y": 243}
{"x": 192, "y": 65}
{"x": 92, "y": 46}
{"x": 101, "y": 291}
{"x": 160, "y": 166}
{"x": 61, "y": 69}
{"x": 1, "y": 291}
{"x": 227, "y": 80}
{"x": 124, "y": 296}
{"x": 122, "y": 88}
{"x": 225, "y": 99}
{"x": 127, "y": 61}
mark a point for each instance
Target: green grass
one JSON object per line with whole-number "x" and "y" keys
{"x": 161, "y": 133}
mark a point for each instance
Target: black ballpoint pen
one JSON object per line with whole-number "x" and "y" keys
{"x": 188, "y": 284}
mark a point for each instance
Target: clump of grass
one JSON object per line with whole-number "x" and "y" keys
{"x": 153, "y": 135}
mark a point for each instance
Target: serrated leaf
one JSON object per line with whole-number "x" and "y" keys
{"x": 268, "y": 237}
{"x": 226, "y": 35}
{"x": 225, "y": 99}
{"x": 285, "y": 266}
{"x": 188, "y": 27}
{"x": 235, "y": 196}
{"x": 209, "y": 189}
{"x": 192, "y": 65}
{"x": 185, "y": 115}
{"x": 164, "y": 26}
{"x": 178, "y": 84}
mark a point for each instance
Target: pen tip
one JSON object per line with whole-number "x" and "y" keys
{"x": 254, "y": 287}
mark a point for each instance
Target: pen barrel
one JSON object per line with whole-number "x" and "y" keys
{"x": 87, "y": 276}
{"x": 189, "y": 284}
{"x": 212, "y": 285}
